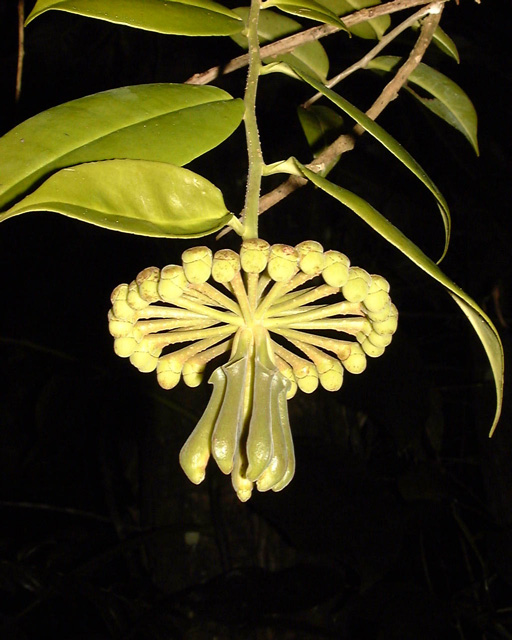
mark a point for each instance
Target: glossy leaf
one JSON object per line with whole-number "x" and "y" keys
{"x": 369, "y": 30}
{"x": 162, "y": 122}
{"x": 307, "y": 9}
{"x": 481, "y": 323}
{"x": 272, "y": 26}
{"x": 448, "y": 101}
{"x": 381, "y": 135}
{"x": 186, "y": 17}
{"x": 445, "y": 43}
{"x": 320, "y": 125}
{"x": 133, "y": 196}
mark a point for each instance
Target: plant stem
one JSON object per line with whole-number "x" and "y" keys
{"x": 250, "y": 215}
{"x": 285, "y": 45}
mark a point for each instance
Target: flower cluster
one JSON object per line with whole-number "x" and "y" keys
{"x": 268, "y": 297}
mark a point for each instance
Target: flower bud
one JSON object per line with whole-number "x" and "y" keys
{"x": 357, "y": 286}
{"x": 147, "y": 282}
{"x": 125, "y": 346}
{"x": 356, "y": 362}
{"x": 226, "y": 264}
{"x": 389, "y": 325}
{"x": 371, "y": 350}
{"x": 197, "y": 264}
{"x": 134, "y": 299}
{"x": 172, "y": 283}
{"x": 311, "y": 257}
{"x": 282, "y": 263}
{"x": 378, "y": 295}
{"x": 336, "y": 268}
{"x": 168, "y": 371}
{"x": 306, "y": 376}
{"x": 330, "y": 373}
{"x": 254, "y": 255}
{"x": 192, "y": 373}
{"x": 119, "y": 328}
{"x": 145, "y": 357}
{"x": 120, "y": 307}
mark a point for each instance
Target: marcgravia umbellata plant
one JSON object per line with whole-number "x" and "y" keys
{"x": 265, "y": 319}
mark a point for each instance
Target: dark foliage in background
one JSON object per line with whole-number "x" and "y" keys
{"x": 398, "y": 524}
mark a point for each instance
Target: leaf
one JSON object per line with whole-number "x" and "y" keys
{"x": 272, "y": 26}
{"x": 443, "y": 41}
{"x": 449, "y": 101}
{"x": 320, "y": 125}
{"x": 307, "y": 9}
{"x": 183, "y": 17}
{"x": 380, "y": 134}
{"x": 163, "y": 122}
{"x": 481, "y": 323}
{"x": 134, "y": 196}
{"x": 370, "y": 29}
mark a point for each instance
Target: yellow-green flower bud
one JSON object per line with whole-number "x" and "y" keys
{"x": 168, "y": 371}
{"x": 372, "y": 350}
{"x": 287, "y": 372}
{"x": 311, "y": 257}
{"x": 226, "y": 264}
{"x": 389, "y": 325}
{"x": 330, "y": 373}
{"x": 307, "y": 377}
{"x": 381, "y": 315}
{"x": 125, "y": 346}
{"x": 380, "y": 340}
{"x": 197, "y": 264}
{"x": 134, "y": 299}
{"x": 119, "y": 328}
{"x": 145, "y": 357}
{"x": 356, "y": 362}
{"x": 282, "y": 263}
{"x": 378, "y": 295}
{"x": 120, "y": 307}
{"x": 336, "y": 268}
{"x": 193, "y": 373}
{"x": 172, "y": 283}
{"x": 254, "y": 255}
{"x": 147, "y": 282}
{"x": 357, "y": 286}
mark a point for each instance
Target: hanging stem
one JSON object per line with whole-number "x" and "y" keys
{"x": 250, "y": 216}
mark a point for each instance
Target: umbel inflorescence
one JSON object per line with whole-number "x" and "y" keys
{"x": 267, "y": 309}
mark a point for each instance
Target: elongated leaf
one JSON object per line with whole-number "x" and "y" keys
{"x": 186, "y": 17}
{"x": 320, "y": 125}
{"x": 443, "y": 41}
{"x": 271, "y": 26}
{"x": 162, "y": 122}
{"x": 380, "y": 134}
{"x": 307, "y": 9}
{"x": 449, "y": 102}
{"x": 369, "y": 30}
{"x": 134, "y": 196}
{"x": 481, "y": 323}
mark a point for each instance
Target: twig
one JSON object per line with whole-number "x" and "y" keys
{"x": 346, "y": 142}
{"x": 309, "y": 35}
{"x": 21, "y": 48}
{"x": 363, "y": 62}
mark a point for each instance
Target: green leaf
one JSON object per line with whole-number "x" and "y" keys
{"x": 307, "y": 9}
{"x": 133, "y": 196}
{"x": 164, "y": 122}
{"x": 481, "y": 323}
{"x": 381, "y": 135}
{"x": 369, "y": 30}
{"x": 321, "y": 125}
{"x": 443, "y": 41}
{"x": 272, "y": 26}
{"x": 186, "y": 17}
{"x": 449, "y": 102}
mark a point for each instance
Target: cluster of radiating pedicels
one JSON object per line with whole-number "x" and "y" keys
{"x": 245, "y": 425}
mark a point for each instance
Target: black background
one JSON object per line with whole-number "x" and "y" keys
{"x": 398, "y": 522}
